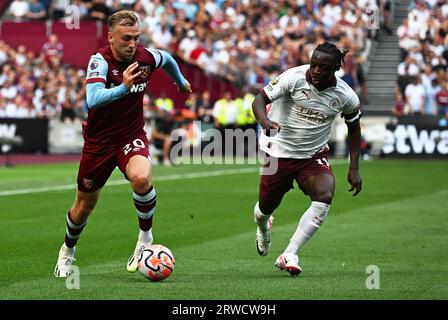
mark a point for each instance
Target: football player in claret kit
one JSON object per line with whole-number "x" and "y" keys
{"x": 302, "y": 104}
{"x": 114, "y": 135}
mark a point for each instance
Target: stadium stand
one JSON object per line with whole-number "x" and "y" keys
{"x": 234, "y": 42}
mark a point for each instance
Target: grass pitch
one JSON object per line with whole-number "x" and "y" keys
{"x": 398, "y": 223}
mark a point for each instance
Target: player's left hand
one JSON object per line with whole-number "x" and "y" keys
{"x": 355, "y": 181}
{"x": 185, "y": 88}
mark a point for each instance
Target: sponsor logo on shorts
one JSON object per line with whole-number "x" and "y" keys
{"x": 88, "y": 183}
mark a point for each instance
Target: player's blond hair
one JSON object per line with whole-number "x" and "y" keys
{"x": 123, "y": 18}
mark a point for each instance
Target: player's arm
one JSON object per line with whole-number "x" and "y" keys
{"x": 169, "y": 65}
{"x": 259, "y": 109}
{"x": 276, "y": 89}
{"x": 97, "y": 94}
{"x": 354, "y": 146}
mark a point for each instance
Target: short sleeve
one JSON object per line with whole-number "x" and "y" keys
{"x": 278, "y": 87}
{"x": 97, "y": 69}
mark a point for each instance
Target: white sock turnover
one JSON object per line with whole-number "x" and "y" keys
{"x": 145, "y": 236}
{"x": 261, "y": 218}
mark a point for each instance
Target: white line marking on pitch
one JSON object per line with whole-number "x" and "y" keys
{"x": 192, "y": 175}
{"x": 121, "y": 182}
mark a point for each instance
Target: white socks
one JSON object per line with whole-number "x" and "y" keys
{"x": 260, "y": 218}
{"x": 66, "y": 250}
{"x": 310, "y": 222}
{"x": 145, "y": 236}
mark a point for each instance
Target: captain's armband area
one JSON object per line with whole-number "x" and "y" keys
{"x": 352, "y": 117}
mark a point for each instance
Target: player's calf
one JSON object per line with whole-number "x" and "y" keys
{"x": 145, "y": 204}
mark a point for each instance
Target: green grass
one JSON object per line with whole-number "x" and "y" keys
{"x": 399, "y": 223}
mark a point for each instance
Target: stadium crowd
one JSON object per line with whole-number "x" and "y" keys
{"x": 422, "y": 74}
{"x": 247, "y": 42}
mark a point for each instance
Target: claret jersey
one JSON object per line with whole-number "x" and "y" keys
{"x": 119, "y": 120}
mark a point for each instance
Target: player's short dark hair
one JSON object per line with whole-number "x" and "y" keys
{"x": 123, "y": 18}
{"x": 330, "y": 48}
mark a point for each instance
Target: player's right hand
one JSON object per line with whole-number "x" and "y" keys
{"x": 186, "y": 88}
{"x": 270, "y": 128}
{"x": 129, "y": 76}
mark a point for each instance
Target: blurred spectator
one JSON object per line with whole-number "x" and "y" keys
{"x": 205, "y": 108}
{"x": 67, "y": 110}
{"x": 99, "y": 10}
{"x": 400, "y": 105}
{"x": 407, "y": 70}
{"x": 187, "y": 45}
{"x": 385, "y": 9}
{"x": 149, "y": 108}
{"x": 245, "y": 117}
{"x": 19, "y": 9}
{"x": 225, "y": 112}
{"x": 162, "y": 37}
{"x": 57, "y": 8}
{"x": 192, "y": 102}
{"x": 53, "y": 51}
{"x": 188, "y": 6}
{"x": 160, "y": 134}
{"x": 415, "y": 97}
{"x": 36, "y": 10}
{"x": 442, "y": 100}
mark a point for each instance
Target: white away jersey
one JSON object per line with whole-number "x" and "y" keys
{"x": 304, "y": 113}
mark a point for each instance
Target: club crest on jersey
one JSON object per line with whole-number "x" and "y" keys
{"x": 334, "y": 103}
{"x": 145, "y": 71}
{"x": 88, "y": 183}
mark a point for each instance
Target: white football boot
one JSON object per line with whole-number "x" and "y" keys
{"x": 133, "y": 260}
{"x": 263, "y": 239}
{"x": 289, "y": 262}
{"x": 65, "y": 260}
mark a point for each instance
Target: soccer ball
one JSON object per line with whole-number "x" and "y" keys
{"x": 156, "y": 262}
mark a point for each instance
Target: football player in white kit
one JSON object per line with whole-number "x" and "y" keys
{"x": 296, "y": 111}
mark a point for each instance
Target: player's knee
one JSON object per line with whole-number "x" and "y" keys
{"x": 324, "y": 196}
{"x": 140, "y": 182}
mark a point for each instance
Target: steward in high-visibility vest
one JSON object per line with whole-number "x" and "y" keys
{"x": 225, "y": 111}
{"x": 245, "y": 116}
{"x": 164, "y": 103}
